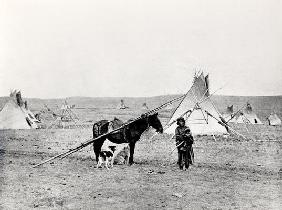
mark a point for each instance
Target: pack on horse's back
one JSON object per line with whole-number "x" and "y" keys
{"x": 100, "y": 127}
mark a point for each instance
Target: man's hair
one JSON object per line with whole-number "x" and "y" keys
{"x": 179, "y": 120}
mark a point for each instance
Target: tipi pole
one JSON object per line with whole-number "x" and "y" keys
{"x": 218, "y": 119}
{"x": 165, "y": 104}
{"x": 176, "y": 146}
{"x": 54, "y": 157}
{"x": 212, "y": 101}
{"x": 88, "y": 142}
{"x": 201, "y": 101}
{"x": 235, "y": 114}
{"x": 225, "y": 124}
{"x": 170, "y": 124}
{"x": 69, "y": 153}
{"x": 196, "y": 102}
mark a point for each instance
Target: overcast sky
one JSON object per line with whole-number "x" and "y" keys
{"x": 62, "y": 48}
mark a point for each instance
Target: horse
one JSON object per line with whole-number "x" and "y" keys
{"x": 130, "y": 133}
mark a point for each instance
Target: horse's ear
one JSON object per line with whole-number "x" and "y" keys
{"x": 143, "y": 116}
{"x": 155, "y": 114}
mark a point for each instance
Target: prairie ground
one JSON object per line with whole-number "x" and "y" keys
{"x": 228, "y": 173}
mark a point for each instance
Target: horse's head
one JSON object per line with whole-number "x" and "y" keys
{"x": 155, "y": 122}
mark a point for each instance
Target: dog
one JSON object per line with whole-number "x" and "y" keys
{"x": 110, "y": 152}
{"x": 121, "y": 154}
{"x": 106, "y": 158}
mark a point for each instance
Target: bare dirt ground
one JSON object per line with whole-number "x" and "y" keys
{"x": 228, "y": 173}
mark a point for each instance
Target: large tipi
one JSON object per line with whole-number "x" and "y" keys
{"x": 198, "y": 110}
{"x": 248, "y": 116}
{"x": 273, "y": 119}
{"x": 16, "y": 115}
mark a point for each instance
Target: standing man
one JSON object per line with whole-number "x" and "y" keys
{"x": 184, "y": 141}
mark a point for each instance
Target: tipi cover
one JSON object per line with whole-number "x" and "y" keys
{"x": 273, "y": 119}
{"x": 14, "y": 116}
{"x": 199, "y": 121}
{"x": 248, "y": 116}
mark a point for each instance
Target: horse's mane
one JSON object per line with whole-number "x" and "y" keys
{"x": 115, "y": 123}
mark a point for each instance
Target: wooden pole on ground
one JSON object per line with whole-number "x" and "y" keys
{"x": 88, "y": 142}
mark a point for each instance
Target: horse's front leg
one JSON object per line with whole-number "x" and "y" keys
{"x": 131, "y": 147}
{"x": 99, "y": 163}
{"x": 107, "y": 163}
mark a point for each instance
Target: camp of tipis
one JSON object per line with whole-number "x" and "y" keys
{"x": 196, "y": 107}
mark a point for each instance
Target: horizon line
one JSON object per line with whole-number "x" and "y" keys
{"x": 121, "y": 97}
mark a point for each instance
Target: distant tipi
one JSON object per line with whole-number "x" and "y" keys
{"x": 145, "y": 107}
{"x": 65, "y": 117}
{"x": 198, "y": 110}
{"x": 248, "y": 116}
{"x": 229, "y": 114}
{"x": 122, "y": 105}
{"x": 273, "y": 119}
{"x": 16, "y": 115}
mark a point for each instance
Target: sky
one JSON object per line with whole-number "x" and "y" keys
{"x": 63, "y": 48}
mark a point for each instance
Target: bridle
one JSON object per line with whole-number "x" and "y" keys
{"x": 148, "y": 124}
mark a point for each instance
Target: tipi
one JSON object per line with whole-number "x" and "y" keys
{"x": 228, "y": 116}
{"x": 16, "y": 115}
{"x": 198, "y": 110}
{"x": 66, "y": 116}
{"x": 145, "y": 107}
{"x": 273, "y": 119}
{"x": 122, "y": 105}
{"x": 47, "y": 114}
{"x": 248, "y": 116}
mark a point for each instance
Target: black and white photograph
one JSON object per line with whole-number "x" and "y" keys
{"x": 140, "y": 104}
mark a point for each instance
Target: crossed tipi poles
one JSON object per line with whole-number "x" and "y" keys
{"x": 198, "y": 101}
{"x": 66, "y": 116}
{"x": 245, "y": 120}
{"x": 188, "y": 113}
{"x": 197, "y": 106}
